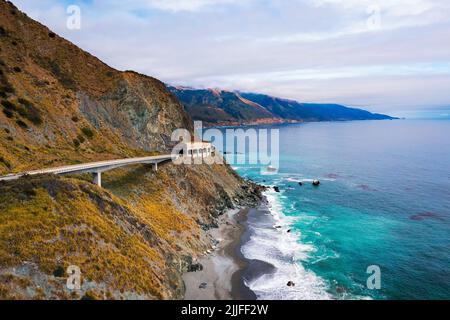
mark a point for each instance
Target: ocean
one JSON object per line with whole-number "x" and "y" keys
{"x": 384, "y": 201}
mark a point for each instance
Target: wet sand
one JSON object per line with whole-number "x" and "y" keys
{"x": 226, "y": 271}
{"x": 221, "y": 277}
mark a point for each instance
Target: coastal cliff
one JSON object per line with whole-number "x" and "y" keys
{"x": 134, "y": 238}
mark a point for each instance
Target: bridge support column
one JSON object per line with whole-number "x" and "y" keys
{"x": 155, "y": 166}
{"x": 97, "y": 178}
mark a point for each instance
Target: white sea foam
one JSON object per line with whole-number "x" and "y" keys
{"x": 284, "y": 251}
{"x": 293, "y": 179}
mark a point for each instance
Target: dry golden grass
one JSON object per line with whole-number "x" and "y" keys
{"x": 53, "y": 222}
{"x": 135, "y": 237}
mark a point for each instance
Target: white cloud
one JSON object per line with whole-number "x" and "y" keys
{"x": 421, "y": 69}
{"x": 395, "y": 7}
{"x": 185, "y": 5}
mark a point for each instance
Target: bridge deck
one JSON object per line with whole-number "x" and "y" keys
{"x": 93, "y": 167}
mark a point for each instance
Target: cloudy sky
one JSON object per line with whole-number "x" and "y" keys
{"x": 389, "y": 56}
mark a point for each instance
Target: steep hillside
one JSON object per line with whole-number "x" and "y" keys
{"x": 132, "y": 239}
{"x": 216, "y": 107}
{"x": 52, "y": 94}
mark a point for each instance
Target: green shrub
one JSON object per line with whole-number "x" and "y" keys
{"x": 89, "y": 295}
{"x": 29, "y": 111}
{"x": 76, "y": 143}
{"x": 23, "y": 101}
{"x": 7, "y": 88}
{"x": 35, "y": 118}
{"x": 81, "y": 138}
{"x": 22, "y": 124}
{"x": 3, "y": 94}
{"x": 17, "y": 69}
{"x": 5, "y": 162}
{"x": 51, "y": 34}
{"x": 59, "y": 272}
{"x": 88, "y": 132}
{"x": 9, "y": 105}
{"x": 75, "y": 119}
{"x": 30, "y": 192}
{"x": 8, "y": 113}
{"x": 61, "y": 74}
{"x": 22, "y": 111}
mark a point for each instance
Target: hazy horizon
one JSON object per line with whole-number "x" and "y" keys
{"x": 389, "y": 57}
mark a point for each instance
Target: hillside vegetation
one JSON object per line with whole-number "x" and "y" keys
{"x": 132, "y": 239}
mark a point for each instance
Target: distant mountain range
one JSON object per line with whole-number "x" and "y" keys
{"x": 220, "y": 107}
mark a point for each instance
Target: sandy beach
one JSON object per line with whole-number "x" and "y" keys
{"x": 223, "y": 269}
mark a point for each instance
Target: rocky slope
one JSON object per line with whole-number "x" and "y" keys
{"x": 132, "y": 239}
{"x": 220, "y": 107}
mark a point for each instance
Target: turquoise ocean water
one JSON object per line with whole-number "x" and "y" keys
{"x": 384, "y": 200}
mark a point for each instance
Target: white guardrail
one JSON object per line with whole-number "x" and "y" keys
{"x": 90, "y": 167}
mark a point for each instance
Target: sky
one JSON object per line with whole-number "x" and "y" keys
{"x": 388, "y": 56}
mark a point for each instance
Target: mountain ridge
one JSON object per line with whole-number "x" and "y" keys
{"x": 222, "y": 107}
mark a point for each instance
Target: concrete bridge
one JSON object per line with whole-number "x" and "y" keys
{"x": 96, "y": 168}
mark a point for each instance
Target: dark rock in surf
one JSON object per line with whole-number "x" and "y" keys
{"x": 340, "y": 289}
{"x": 195, "y": 267}
{"x": 316, "y": 183}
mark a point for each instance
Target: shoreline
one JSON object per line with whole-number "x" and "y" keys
{"x": 251, "y": 269}
{"x": 224, "y": 270}
{"x": 224, "y": 125}
{"x": 267, "y": 268}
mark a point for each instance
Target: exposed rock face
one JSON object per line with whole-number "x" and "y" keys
{"x": 132, "y": 239}
{"x": 71, "y": 90}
